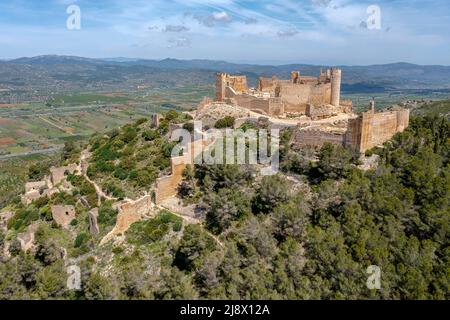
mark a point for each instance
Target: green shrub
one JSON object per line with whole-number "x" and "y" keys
{"x": 189, "y": 126}
{"x": 146, "y": 232}
{"x": 107, "y": 216}
{"x": 227, "y": 122}
{"x": 23, "y": 218}
{"x": 150, "y": 135}
{"x": 81, "y": 240}
{"x": 141, "y": 121}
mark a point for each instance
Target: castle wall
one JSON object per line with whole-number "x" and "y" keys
{"x": 317, "y": 137}
{"x": 167, "y": 187}
{"x": 297, "y": 96}
{"x": 295, "y": 93}
{"x": 237, "y": 83}
{"x": 63, "y": 215}
{"x": 363, "y": 133}
{"x": 129, "y": 213}
{"x": 373, "y": 129}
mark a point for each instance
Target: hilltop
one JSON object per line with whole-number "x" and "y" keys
{"x": 307, "y": 233}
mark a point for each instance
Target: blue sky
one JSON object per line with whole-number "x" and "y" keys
{"x": 258, "y": 31}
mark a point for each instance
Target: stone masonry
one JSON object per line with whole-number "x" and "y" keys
{"x": 276, "y": 97}
{"x": 63, "y": 215}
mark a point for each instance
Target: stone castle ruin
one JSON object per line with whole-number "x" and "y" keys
{"x": 311, "y": 106}
{"x": 323, "y": 116}
{"x": 274, "y": 97}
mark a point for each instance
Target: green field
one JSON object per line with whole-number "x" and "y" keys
{"x": 39, "y": 125}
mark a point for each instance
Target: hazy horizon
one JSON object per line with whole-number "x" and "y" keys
{"x": 332, "y": 32}
{"x": 262, "y": 63}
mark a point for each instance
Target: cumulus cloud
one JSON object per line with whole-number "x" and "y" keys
{"x": 174, "y": 28}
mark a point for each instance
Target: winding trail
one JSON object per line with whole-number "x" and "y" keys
{"x": 85, "y": 155}
{"x": 84, "y": 164}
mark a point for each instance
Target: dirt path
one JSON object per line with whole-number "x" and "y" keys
{"x": 85, "y": 155}
{"x": 56, "y": 126}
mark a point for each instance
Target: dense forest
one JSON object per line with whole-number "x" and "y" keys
{"x": 309, "y": 232}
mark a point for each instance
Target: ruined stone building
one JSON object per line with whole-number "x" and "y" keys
{"x": 361, "y": 133}
{"x": 319, "y": 99}
{"x": 300, "y": 94}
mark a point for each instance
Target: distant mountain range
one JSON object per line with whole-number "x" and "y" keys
{"x": 68, "y": 72}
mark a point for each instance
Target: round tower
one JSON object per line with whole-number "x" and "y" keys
{"x": 336, "y": 77}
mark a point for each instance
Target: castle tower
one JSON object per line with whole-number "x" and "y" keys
{"x": 295, "y": 76}
{"x": 336, "y": 76}
{"x": 220, "y": 86}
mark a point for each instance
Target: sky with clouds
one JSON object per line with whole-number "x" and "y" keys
{"x": 257, "y": 31}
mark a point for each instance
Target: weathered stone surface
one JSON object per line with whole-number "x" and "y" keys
{"x": 167, "y": 186}
{"x": 58, "y": 174}
{"x": 129, "y": 213}
{"x": 35, "y": 186}
{"x": 29, "y": 197}
{"x": 156, "y": 118}
{"x": 276, "y": 97}
{"x": 4, "y": 218}
{"x": 26, "y": 239}
{"x": 93, "y": 223}
{"x": 63, "y": 215}
{"x": 362, "y": 133}
{"x": 372, "y": 129}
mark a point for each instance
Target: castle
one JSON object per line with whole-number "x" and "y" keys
{"x": 275, "y": 97}
{"x": 318, "y": 101}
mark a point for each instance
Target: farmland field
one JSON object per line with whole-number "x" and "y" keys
{"x": 35, "y": 126}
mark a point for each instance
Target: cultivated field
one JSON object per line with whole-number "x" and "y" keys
{"x": 38, "y": 126}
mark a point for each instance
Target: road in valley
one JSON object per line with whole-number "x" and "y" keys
{"x": 29, "y": 153}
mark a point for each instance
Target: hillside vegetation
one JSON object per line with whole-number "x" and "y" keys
{"x": 309, "y": 232}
